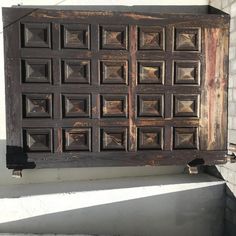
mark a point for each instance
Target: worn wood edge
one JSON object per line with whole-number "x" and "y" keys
{"x": 159, "y": 158}
{"x": 11, "y": 15}
{"x": 213, "y": 123}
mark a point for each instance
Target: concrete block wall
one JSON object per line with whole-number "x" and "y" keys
{"x": 228, "y": 171}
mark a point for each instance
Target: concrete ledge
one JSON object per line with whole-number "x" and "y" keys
{"x": 191, "y": 205}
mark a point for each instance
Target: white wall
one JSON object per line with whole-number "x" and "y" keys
{"x": 49, "y": 175}
{"x": 145, "y": 206}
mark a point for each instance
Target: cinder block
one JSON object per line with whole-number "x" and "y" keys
{"x": 230, "y": 94}
{"x": 233, "y": 9}
{"x": 234, "y": 94}
{"x": 233, "y": 78}
{"x": 216, "y": 4}
{"x": 232, "y": 24}
{"x": 233, "y": 125}
{"x": 226, "y": 9}
{"x": 232, "y": 136}
{"x": 232, "y": 39}
{"x": 231, "y": 81}
{"x": 232, "y": 109}
{"x": 230, "y": 120}
{"x": 224, "y": 3}
{"x": 232, "y": 63}
{"x": 232, "y": 53}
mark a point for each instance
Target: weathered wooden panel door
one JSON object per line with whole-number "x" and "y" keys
{"x": 114, "y": 88}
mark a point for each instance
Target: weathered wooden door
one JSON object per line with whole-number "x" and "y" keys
{"x": 101, "y": 88}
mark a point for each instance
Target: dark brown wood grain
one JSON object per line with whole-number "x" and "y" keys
{"x": 115, "y": 88}
{"x": 214, "y": 95}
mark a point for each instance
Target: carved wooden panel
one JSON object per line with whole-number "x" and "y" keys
{"x": 114, "y": 106}
{"x": 114, "y": 139}
{"x": 114, "y": 72}
{"x": 151, "y": 38}
{"x": 37, "y": 105}
{"x": 37, "y": 140}
{"x": 36, "y": 35}
{"x": 185, "y": 138}
{"x": 150, "y": 105}
{"x": 186, "y": 105}
{"x": 76, "y": 105}
{"x": 36, "y": 71}
{"x": 151, "y": 72}
{"x": 76, "y": 71}
{"x": 186, "y": 72}
{"x": 187, "y": 39}
{"x": 150, "y": 138}
{"x": 104, "y": 88}
{"x": 114, "y": 37}
{"x": 75, "y": 36}
{"x": 75, "y": 139}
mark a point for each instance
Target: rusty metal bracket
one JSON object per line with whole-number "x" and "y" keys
{"x": 192, "y": 170}
{"x": 193, "y": 166}
{"x": 17, "y": 174}
{"x": 231, "y": 157}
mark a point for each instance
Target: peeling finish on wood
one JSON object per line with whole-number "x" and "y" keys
{"x": 214, "y": 95}
{"x": 137, "y": 16}
{"x": 132, "y": 126}
{"x": 59, "y": 136}
{"x": 65, "y": 15}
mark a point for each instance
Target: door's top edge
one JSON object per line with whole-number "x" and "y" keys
{"x": 169, "y": 9}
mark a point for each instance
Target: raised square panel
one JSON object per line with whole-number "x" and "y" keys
{"x": 150, "y": 138}
{"x": 77, "y": 139}
{"x": 150, "y": 105}
{"x": 75, "y": 36}
{"x": 37, "y": 105}
{"x": 37, "y": 140}
{"x": 114, "y": 105}
{"x": 114, "y": 72}
{"x": 187, "y": 39}
{"x": 186, "y": 105}
{"x": 76, "y": 71}
{"x": 185, "y": 138}
{"x": 76, "y": 105}
{"x": 114, "y": 139}
{"x": 150, "y": 72}
{"x": 36, "y": 71}
{"x": 151, "y": 38}
{"x": 186, "y": 72}
{"x": 36, "y": 35}
{"x": 114, "y": 37}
